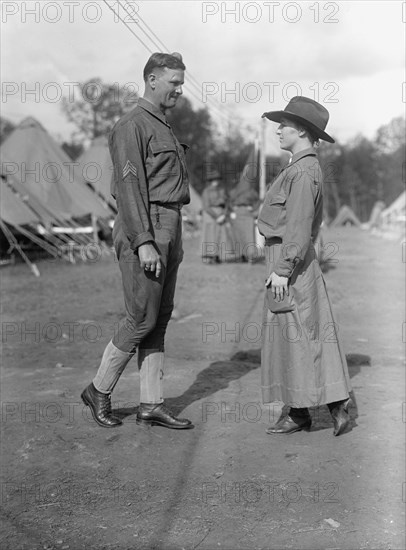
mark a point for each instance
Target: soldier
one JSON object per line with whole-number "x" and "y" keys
{"x": 150, "y": 184}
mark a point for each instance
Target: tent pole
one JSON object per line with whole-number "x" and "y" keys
{"x": 262, "y": 160}
{"x": 43, "y": 243}
{"x": 94, "y": 224}
{"x": 259, "y": 239}
{"x": 13, "y": 242}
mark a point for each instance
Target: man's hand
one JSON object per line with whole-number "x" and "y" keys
{"x": 149, "y": 258}
{"x": 279, "y": 286}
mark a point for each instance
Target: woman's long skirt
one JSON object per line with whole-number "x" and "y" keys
{"x": 244, "y": 231}
{"x": 218, "y": 241}
{"x": 302, "y": 362}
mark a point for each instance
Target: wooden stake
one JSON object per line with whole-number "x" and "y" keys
{"x": 13, "y": 242}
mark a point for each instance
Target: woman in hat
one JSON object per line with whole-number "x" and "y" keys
{"x": 303, "y": 364}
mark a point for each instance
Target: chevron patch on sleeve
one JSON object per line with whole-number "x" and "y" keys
{"x": 129, "y": 168}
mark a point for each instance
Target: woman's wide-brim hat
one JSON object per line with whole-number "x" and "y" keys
{"x": 306, "y": 111}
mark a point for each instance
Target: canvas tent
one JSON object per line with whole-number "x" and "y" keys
{"x": 395, "y": 213}
{"x": 96, "y": 168}
{"x": 24, "y": 195}
{"x": 25, "y": 218}
{"x": 345, "y": 216}
{"x": 45, "y": 170}
{"x": 375, "y": 216}
{"x": 17, "y": 218}
{"x": 391, "y": 223}
{"x": 13, "y": 210}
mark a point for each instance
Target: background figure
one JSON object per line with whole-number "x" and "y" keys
{"x": 245, "y": 207}
{"x": 218, "y": 243}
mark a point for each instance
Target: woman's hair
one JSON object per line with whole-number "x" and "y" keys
{"x": 162, "y": 60}
{"x": 311, "y": 134}
{"x": 313, "y": 137}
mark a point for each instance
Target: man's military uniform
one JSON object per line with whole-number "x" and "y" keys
{"x": 150, "y": 184}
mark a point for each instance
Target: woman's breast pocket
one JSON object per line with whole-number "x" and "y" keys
{"x": 273, "y": 212}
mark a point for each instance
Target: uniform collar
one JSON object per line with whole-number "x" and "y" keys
{"x": 310, "y": 151}
{"x": 306, "y": 152}
{"x": 151, "y": 108}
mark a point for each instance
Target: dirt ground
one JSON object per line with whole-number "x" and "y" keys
{"x": 226, "y": 484}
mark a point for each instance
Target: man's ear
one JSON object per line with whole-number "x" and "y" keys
{"x": 152, "y": 80}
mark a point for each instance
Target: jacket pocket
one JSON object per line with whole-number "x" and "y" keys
{"x": 162, "y": 146}
{"x": 277, "y": 200}
{"x": 273, "y": 211}
{"x": 165, "y": 159}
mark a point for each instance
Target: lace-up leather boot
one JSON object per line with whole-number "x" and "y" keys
{"x": 100, "y": 407}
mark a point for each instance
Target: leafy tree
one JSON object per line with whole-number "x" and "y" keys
{"x": 391, "y": 163}
{"x": 360, "y": 164}
{"x": 392, "y": 136}
{"x": 193, "y": 128}
{"x": 350, "y": 193}
{"x": 209, "y": 149}
{"x": 230, "y": 153}
{"x": 96, "y": 107}
{"x": 330, "y": 156}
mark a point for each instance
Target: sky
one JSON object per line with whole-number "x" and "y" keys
{"x": 245, "y": 57}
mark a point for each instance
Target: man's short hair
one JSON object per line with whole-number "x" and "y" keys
{"x": 162, "y": 60}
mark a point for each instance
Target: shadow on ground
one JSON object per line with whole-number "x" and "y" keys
{"x": 218, "y": 375}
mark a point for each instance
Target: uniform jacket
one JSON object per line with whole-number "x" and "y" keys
{"x": 293, "y": 209}
{"x": 213, "y": 197}
{"x": 149, "y": 166}
{"x": 246, "y": 197}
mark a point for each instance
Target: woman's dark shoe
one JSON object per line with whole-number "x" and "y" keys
{"x": 296, "y": 420}
{"x": 160, "y": 415}
{"x": 339, "y": 413}
{"x": 100, "y": 407}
